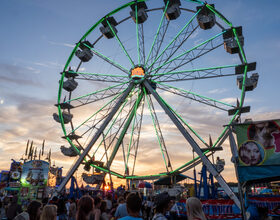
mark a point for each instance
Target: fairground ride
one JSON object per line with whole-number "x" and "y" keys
{"x": 149, "y": 73}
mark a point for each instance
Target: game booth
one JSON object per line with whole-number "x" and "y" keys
{"x": 258, "y": 163}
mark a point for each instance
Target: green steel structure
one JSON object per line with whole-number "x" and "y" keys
{"x": 145, "y": 73}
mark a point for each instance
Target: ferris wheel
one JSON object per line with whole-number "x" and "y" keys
{"x": 147, "y": 83}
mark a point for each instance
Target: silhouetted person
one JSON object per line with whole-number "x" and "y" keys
{"x": 162, "y": 205}
{"x": 133, "y": 206}
{"x": 85, "y": 207}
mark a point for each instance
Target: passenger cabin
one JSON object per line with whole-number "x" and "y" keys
{"x": 250, "y": 83}
{"x": 70, "y": 85}
{"x": 85, "y": 53}
{"x": 69, "y": 73}
{"x": 173, "y": 9}
{"x": 141, "y": 13}
{"x": 205, "y": 17}
{"x": 106, "y": 30}
{"x": 230, "y": 42}
{"x": 69, "y": 151}
{"x": 93, "y": 178}
{"x": 67, "y": 117}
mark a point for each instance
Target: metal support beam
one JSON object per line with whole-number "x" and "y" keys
{"x": 126, "y": 126}
{"x": 194, "y": 145}
{"x": 95, "y": 138}
{"x": 234, "y": 159}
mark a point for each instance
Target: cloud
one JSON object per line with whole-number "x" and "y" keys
{"x": 30, "y": 119}
{"x": 218, "y": 91}
{"x": 49, "y": 64}
{"x": 229, "y": 100}
{"x": 17, "y": 74}
{"x": 61, "y": 44}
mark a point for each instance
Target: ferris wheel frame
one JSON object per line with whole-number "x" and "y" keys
{"x": 148, "y": 88}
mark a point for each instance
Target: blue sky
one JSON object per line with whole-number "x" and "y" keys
{"x": 38, "y": 36}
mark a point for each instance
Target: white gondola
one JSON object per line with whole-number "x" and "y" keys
{"x": 93, "y": 178}
{"x": 69, "y": 151}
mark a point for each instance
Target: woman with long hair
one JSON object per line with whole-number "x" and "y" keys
{"x": 96, "y": 214}
{"x": 34, "y": 210}
{"x": 72, "y": 211}
{"x": 85, "y": 207}
{"x": 194, "y": 209}
{"x": 49, "y": 212}
{"x": 103, "y": 209}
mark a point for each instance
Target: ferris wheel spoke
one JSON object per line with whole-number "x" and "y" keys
{"x": 137, "y": 33}
{"x": 141, "y": 44}
{"x": 190, "y": 54}
{"x": 123, "y": 132}
{"x": 116, "y": 119}
{"x": 159, "y": 138}
{"x": 135, "y": 133}
{"x": 95, "y": 137}
{"x": 191, "y": 141}
{"x": 194, "y": 74}
{"x": 108, "y": 105}
{"x": 120, "y": 43}
{"x": 157, "y": 42}
{"x": 97, "y": 95}
{"x": 188, "y": 58}
{"x": 108, "y": 60}
{"x": 195, "y": 97}
{"x": 113, "y": 136}
{"x": 185, "y": 28}
{"x": 160, "y": 133}
{"x": 182, "y": 120}
{"x": 131, "y": 136}
{"x": 98, "y": 77}
{"x": 136, "y": 142}
{"x": 176, "y": 45}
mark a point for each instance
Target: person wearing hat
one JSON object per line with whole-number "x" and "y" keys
{"x": 162, "y": 205}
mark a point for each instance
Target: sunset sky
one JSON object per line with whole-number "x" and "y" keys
{"x": 37, "y": 38}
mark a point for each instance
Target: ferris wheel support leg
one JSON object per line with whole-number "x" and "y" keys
{"x": 94, "y": 139}
{"x": 194, "y": 145}
{"x": 234, "y": 152}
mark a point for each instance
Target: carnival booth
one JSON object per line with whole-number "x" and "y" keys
{"x": 34, "y": 180}
{"x": 258, "y": 162}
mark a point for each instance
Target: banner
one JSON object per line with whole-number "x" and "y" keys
{"x": 15, "y": 173}
{"x": 34, "y": 179}
{"x": 258, "y": 149}
{"x": 214, "y": 209}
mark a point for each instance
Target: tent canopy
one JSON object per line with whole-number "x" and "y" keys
{"x": 145, "y": 185}
{"x": 167, "y": 180}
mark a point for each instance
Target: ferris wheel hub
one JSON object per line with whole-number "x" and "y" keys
{"x": 137, "y": 74}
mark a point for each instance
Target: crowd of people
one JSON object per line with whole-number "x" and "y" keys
{"x": 129, "y": 206}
